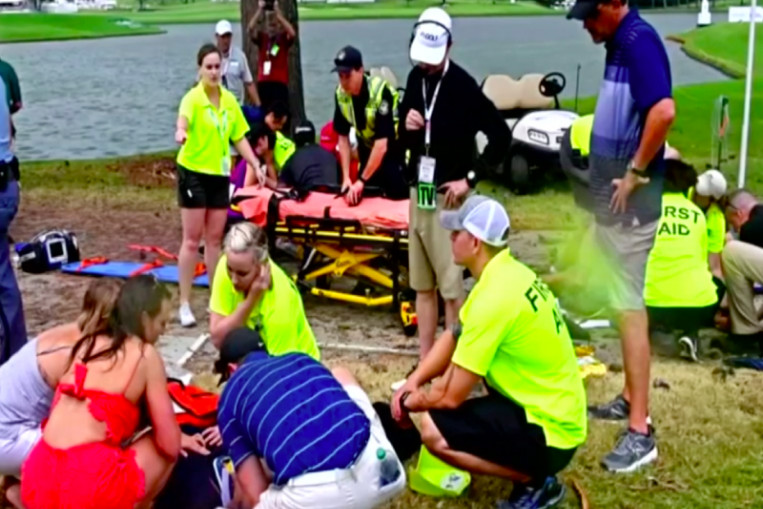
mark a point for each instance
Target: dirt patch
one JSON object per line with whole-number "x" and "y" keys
{"x": 147, "y": 172}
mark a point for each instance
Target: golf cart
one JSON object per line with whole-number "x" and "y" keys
{"x": 531, "y": 109}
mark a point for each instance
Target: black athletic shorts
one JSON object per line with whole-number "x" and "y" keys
{"x": 495, "y": 429}
{"x": 202, "y": 191}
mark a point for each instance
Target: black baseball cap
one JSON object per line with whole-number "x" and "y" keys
{"x": 348, "y": 59}
{"x": 238, "y": 344}
{"x": 304, "y": 133}
{"x": 583, "y": 9}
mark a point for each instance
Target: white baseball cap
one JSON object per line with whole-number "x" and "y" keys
{"x": 223, "y": 27}
{"x": 430, "y": 40}
{"x": 711, "y": 183}
{"x": 481, "y": 216}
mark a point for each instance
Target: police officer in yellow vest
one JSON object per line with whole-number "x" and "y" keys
{"x": 369, "y": 104}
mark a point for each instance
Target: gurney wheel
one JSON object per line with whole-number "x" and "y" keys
{"x": 323, "y": 283}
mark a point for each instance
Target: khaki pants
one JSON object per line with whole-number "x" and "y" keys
{"x": 430, "y": 260}
{"x": 742, "y": 266}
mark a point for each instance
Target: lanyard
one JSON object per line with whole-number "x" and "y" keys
{"x": 428, "y": 110}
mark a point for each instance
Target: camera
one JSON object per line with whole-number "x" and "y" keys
{"x": 269, "y": 4}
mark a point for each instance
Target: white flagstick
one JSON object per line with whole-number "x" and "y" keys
{"x": 747, "y": 94}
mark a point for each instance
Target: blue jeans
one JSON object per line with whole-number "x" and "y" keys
{"x": 12, "y": 326}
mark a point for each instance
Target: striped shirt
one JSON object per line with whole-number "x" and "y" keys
{"x": 292, "y": 412}
{"x": 636, "y": 77}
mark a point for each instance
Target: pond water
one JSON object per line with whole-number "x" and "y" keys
{"x": 119, "y": 96}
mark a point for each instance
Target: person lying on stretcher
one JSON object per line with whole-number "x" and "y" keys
{"x": 250, "y": 290}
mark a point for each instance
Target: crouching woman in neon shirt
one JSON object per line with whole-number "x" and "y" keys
{"x": 680, "y": 294}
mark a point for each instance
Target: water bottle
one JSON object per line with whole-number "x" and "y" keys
{"x": 389, "y": 469}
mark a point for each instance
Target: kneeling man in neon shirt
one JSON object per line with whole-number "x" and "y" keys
{"x": 512, "y": 336}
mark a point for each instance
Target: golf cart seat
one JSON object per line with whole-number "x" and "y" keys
{"x": 515, "y": 97}
{"x": 385, "y": 73}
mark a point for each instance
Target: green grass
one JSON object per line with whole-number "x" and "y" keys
{"x": 730, "y": 56}
{"x": 207, "y": 12}
{"x": 29, "y": 27}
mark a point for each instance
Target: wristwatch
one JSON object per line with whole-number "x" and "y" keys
{"x": 639, "y": 173}
{"x": 362, "y": 179}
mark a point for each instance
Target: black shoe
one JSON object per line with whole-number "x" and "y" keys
{"x": 633, "y": 450}
{"x": 547, "y": 496}
{"x": 616, "y": 410}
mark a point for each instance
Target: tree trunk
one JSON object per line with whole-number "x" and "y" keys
{"x": 296, "y": 90}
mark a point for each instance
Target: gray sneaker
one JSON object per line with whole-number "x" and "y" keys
{"x": 689, "y": 346}
{"x": 633, "y": 450}
{"x": 616, "y": 410}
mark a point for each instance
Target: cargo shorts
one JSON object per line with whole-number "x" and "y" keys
{"x": 430, "y": 260}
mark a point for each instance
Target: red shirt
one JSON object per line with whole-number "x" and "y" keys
{"x": 330, "y": 140}
{"x": 273, "y": 57}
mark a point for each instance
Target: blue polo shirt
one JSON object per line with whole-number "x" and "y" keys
{"x": 636, "y": 77}
{"x": 5, "y": 125}
{"x": 291, "y": 411}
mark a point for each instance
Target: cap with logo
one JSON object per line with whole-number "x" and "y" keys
{"x": 223, "y": 27}
{"x": 481, "y": 216}
{"x": 431, "y": 36}
{"x": 348, "y": 59}
{"x": 711, "y": 183}
{"x": 583, "y": 9}
{"x": 304, "y": 133}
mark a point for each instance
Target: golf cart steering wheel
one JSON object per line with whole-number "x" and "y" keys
{"x": 552, "y": 84}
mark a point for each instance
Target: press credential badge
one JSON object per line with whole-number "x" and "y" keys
{"x": 426, "y": 188}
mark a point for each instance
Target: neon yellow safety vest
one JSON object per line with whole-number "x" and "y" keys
{"x": 283, "y": 150}
{"x": 376, "y": 86}
{"x": 580, "y": 134}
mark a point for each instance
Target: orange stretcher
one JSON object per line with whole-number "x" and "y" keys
{"x": 367, "y": 243}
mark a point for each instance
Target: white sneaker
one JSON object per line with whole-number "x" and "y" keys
{"x": 186, "y": 315}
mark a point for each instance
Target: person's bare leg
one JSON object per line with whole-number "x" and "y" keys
{"x": 193, "y": 228}
{"x": 213, "y": 239}
{"x": 426, "y": 313}
{"x": 156, "y": 469}
{"x": 452, "y": 306}
{"x": 438, "y": 446}
{"x": 344, "y": 376}
{"x": 634, "y": 333}
{"x": 13, "y": 494}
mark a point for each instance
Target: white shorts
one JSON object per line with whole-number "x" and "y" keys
{"x": 353, "y": 488}
{"x": 13, "y": 452}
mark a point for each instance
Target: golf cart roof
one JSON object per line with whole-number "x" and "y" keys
{"x": 510, "y": 94}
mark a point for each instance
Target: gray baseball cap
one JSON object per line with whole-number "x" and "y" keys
{"x": 481, "y": 216}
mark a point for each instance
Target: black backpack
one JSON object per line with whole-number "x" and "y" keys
{"x": 47, "y": 251}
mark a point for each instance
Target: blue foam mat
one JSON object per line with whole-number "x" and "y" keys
{"x": 166, "y": 274}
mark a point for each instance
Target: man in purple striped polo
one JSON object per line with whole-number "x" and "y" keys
{"x": 633, "y": 114}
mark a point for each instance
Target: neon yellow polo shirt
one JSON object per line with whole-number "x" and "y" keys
{"x": 283, "y": 150}
{"x": 279, "y": 313}
{"x": 514, "y": 336}
{"x": 716, "y": 226}
{"x": 210, "y": 131}
{"x": 716, "y": 229}
{"x": 580, "y": 134}
{"x": 677, "y": 273}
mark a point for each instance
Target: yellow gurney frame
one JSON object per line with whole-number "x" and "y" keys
{"x": 340, "y": 247}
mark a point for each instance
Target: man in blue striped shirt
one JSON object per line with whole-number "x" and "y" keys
{"x": 634, "y": 112}
{"x": 299, "y": 434}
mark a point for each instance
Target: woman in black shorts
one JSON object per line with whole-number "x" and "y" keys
{"x": 209, "y": 120}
